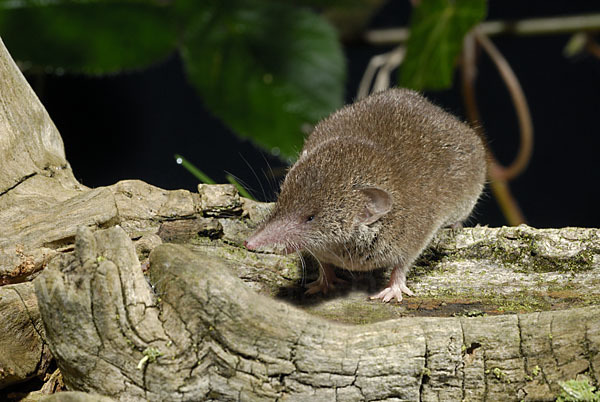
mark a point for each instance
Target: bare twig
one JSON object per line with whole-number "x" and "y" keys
{"x": 498, "y": 184}
{"x": 592, "y": 47}
{"x": 534, "y": 26}
{"x": 521, "y": 108}
{"x": 380, "y": 70}
{"x": 469, "y": 75}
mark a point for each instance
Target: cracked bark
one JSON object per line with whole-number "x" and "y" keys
{"x": 220, "y": 340}
{"x": 23, "y": 354}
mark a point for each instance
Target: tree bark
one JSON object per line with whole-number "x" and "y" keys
{"x": 34, "y": 180}
{"x": 23, "y": 353}
{"x": 209, "y": 336}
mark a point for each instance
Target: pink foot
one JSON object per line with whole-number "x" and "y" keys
{"x": 395, "y": 287}
{"x": 325, "y": 282}
{"x": 456, "y": 226}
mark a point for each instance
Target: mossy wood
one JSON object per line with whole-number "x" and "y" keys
{"x": 201, "y": 332}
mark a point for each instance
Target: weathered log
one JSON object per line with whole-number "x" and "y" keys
{"x": 473, "y": 271}
{"x": 23, "y": 352}
{"x": 35, "y": 174}
{"x": 200, "y": 333}
{"x": 74, "y": 396}
{"x": 30, "y": 142}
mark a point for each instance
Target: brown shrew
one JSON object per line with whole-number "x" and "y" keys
{"x": 373, "y": 184}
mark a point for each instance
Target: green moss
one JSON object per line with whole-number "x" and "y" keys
{"x": 500, "y": 375}
{"x": 591, "y": 300}
{"x": 521, "y": 302}
{"x": 435, "y": 268}
{"x": 574, "y": 391}
{"x": 150, "y": 355}
{"x": 357, "y": 313}
{"x": 490, "y": 301}
{"x": 521, "y": 252}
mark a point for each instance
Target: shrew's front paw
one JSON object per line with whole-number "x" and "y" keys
{"x": 325, "y": 282}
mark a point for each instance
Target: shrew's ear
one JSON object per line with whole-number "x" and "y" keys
{"x": 378, "y": 203}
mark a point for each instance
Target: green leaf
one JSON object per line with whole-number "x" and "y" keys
{"x": 268, "y": 69}
{"x": 93, "y": 37}
{"x": 437, "y": 30}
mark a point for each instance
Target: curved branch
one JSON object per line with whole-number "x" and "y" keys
{"x": 508, "y": 204}
{"x": 379, "y": 70}
{"x": 592, "y": 47}
{"x": 520, "y": 102}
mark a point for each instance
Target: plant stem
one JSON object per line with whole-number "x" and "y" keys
{"x": 243, "y": 192}
{"x": 200, "y": 175}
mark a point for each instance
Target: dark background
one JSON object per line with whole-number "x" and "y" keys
{"x": 130, "y": 125}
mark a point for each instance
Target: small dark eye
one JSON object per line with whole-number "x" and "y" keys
{"x": 310, "y": 218}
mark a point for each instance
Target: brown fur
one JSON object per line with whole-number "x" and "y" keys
{"x": 430, "y": 164}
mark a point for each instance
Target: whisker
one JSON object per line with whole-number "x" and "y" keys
{"x": 349, "y": 255}
{"x": 303, "y": 264}
{"x": 255, "y": 175}
{"x": 241, "y": 182}
{"x": 272, "y": 181}
{"x": 320, "y": 265}
{"x": 351, "y": 262}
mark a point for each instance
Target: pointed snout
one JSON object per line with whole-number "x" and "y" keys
{"x": 273, "y": 236}
{"x": 255, "y": 241}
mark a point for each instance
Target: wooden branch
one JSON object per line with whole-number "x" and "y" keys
{"x": 34, "y": 142}
{"x": 35, "y": 177}
{"x": 23, "y": 352}
{"x": 519, "y": 164}
{"x": 498, "y": 182}
{"x": 533, "y": 26}
{"x": 201, "y": 333}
